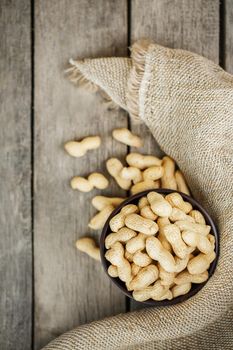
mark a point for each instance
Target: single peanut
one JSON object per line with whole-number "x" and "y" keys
{"x": 162, "y": 222}
{"x": 132, "y": 174}
{"x": 147, "y": 213}
{"x": 125, "y": 136}
{"x": 197, "y": 216}
{"x": 135, "y": 269}
{"x": 181, "y": 264}
{"x": 200, "y": 263}
{"x": 196, "y": 240}
{"x": 112, "y": 271}
{"x": 167, "y": 278}
{"x": 176, "y": 200}
{"x": 94, "y": 180}
{"x": 159, "y": 205}
{"x": 136, "y": 243}
{"x": 168, "y": 179}
{"x": 143, "y": 201}
{"x": 118, "y": 221}
{"x": 141, "y": 259}
{"x": 155, "y": 292}
{"x": 123, "y": 235}
{"x": 153, "y": 173}
{"x": 114, "y": 167}
{"x": 181, "y": 184}
{"x": 146, "y": 276}
{"x": 98, "y": 221}
{"x": 181, "y": 289}
{"x": 142, "y": 161}
{"x": 116, "y": 257}
{"x": 173, "y": 235}
{"x": 186, "y": 277}
{"x": 87, "y": 245}
{"x": 185, "y": 225}
{"x": 129, "y": 256}
{"x": 156, "y": 251}
{"x": 138, "y": 223}
{"x": 144, "y": 185}
{"x": 178, "y": 214}
{"x": 99, "y": 202}
{"x": 79, "y": 148}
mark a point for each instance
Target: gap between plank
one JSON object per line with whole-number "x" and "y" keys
{"x": 32, "y": 164}
{"x": 222, "y": 33}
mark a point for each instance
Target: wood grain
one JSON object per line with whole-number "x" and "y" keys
{"x": 71, "y": 288}
{"x": 191, "y": 25}
{"x": 227, "y": 36}
{"x": 15, "y": 174}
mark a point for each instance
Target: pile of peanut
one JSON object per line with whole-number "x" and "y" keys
{"x": 160, "y": 267}
{"x": 159, "y": 247}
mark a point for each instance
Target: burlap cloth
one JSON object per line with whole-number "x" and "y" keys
{"x": 187, "y": 102}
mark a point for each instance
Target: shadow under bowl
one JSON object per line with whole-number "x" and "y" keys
{"x": 134, "y": 200}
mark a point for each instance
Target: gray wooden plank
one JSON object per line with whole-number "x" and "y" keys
{"x": 15, "y": 174}
{"x": 192, "y": 25}
{"x": 70, "y": 288}
{"x": 228, "y": 35}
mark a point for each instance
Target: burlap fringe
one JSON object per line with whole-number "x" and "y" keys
{"x": 79, "y": 79}
{"x": 138, "y": 53}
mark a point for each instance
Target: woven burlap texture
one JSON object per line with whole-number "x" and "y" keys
{"x": 187, "y": 103}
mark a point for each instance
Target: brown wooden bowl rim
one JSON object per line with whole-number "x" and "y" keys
{"x": 195, "y": 287}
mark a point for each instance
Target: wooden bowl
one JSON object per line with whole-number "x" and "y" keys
{"x": 134, "y": 200}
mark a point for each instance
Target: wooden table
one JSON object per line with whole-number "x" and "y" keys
{"x": 46, "y": 286}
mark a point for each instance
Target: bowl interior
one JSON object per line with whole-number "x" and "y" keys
{"x": 134, "y": 200}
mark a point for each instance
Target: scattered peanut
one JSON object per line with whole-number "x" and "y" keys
{"x": 144, "y": 185}
{"x": 153, "y": 173}
{"x": 142, "y": 161}
{"x": 168, "y": 178}
{"x": 114, "y": 167}
{"x": 99, "y": 202}
{"x": 127, "y": 137}
{"x": 131, "y": 173}
{"x": 87, "y": 245}
{"x": 86, "y": 185}
{"x": 181, "y": 184}
{"x": 98, "y": 221}
{"x": 79, "y": 148}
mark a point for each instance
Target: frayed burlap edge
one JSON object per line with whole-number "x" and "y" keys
{"x": 79, "y": 78}
{"x": 138, "y": 56}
